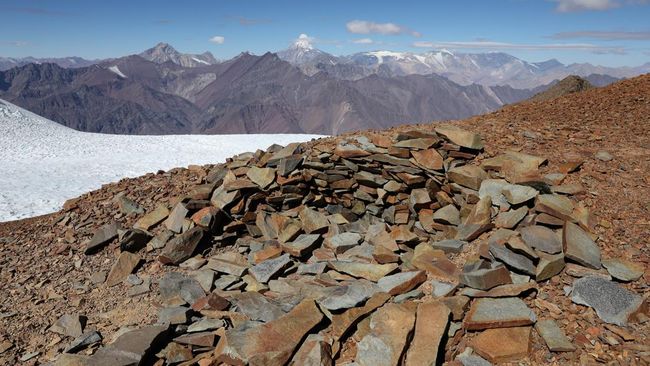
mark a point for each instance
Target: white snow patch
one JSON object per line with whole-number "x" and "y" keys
{"x": 117, "y": 71}
{"x": 44, "y": 163}
{"x": 381, "y": 54}
{"x": 200, "y": 61}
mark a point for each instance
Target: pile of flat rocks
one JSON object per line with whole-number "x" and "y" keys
{"x": 376, "y": 250}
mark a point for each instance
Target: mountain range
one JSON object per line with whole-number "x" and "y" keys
{"x": 297, "y": 90}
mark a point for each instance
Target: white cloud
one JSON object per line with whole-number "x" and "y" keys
{"x": 565, "y": 6}
{"x": 363, "y": 41}
{"x": 218, "y": 39}
{"x": 368, "y": 27}
{"x": 500, "y": 46}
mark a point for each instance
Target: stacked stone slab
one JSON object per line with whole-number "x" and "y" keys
{"x": 288, "y": 254}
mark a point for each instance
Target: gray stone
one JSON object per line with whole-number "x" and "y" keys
{"x": 579, "y": 247}
{"x": 461, "y": 137}
{"x": 86, "y": 339}
{"x": 487, "y": 313}
{"x": 514, "y": 260}
{"x": 177, "y": 288}
{"x": 134, "y": 240}
{"x": 402, "y": 282}
{"x": 341, "y": 242}
{"x": 469, "y": 176}
{"x": 129, "y": 206}
{"x": 206, "y": 324}
{"x": 263, "y": 272}
{"x": 348, "y": 295}
{"x": 176, "y": 218}
{"x": 130, "y": 348}
{"x": 122, "y": 268}
{"x": 510, "y": 219}
{"x": 231, "y": 263}
{"x": 102, "y": 236}
{"x": 493, "y": 188}
{"x": 257, "y": 306}
{"x": 623, "y": 270}
{"x": 312, "y": 268}
{"x": 541, "y": 238}
{"x": 447, "y": 215}
{"x": 450, "y": 245}
{"x": 173, "y": 315}
{"x": 613, "y": 303}
{"x": 518, "y": 194}
{"x": 69, "y": 325}
{"x": 182, "y": 246}
{"x": 554, "y": 337}
{"x": 302, "y": 245}
{"x": 442, "y": 288}
{"x": 152, "y": 218}
{"x": 205, "y": 278}
{"x": 312, "y": 221}
{"x": 485, "y": 279}
{"x": 263, "y": 177}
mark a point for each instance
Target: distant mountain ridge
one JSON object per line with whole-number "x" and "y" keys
{"x": 247, "y": 94}
{"x": 494, "y": 68}
{"x": 163, "y": 52}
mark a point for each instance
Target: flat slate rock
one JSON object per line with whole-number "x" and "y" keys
{"x": 271, "y": 343}
{"x": 496, "y": 313}
{"x": 541, "y": 238}
{"x": 385, "y": 343}
{"x": 430, "y": 328}
{"x": 402, "y": 282}
{"x": 512, "y": 259}
{"x": 131, "y": 347}
{"x": 182, "y": 247}
{"x": 102, "y": 236}
{"x": 503, "y": 344}
{"x": 623, "y": 270}
{"x": 554, "y": 337}
{"x": 348, "y": 295}
{"x": 257, "y": 306}
{"x": 613, "y": 303}
{"x": 264, "y": 271}
{"x": 579, "y": 247}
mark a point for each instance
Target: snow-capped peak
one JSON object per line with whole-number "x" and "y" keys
{"x": 304, "y": 42}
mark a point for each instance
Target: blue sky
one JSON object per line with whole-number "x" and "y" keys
{"x": 605, "y": 32}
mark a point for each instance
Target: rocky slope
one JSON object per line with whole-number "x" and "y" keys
{"x": 344, "y": 248}
{"x": 568, "y": 85}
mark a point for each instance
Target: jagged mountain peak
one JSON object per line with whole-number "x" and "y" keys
{"x": 164, "y": 52}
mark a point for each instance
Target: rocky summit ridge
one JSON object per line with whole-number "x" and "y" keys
{"x": 418, "y": 245}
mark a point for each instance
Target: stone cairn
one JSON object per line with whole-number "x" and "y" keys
{"x": 376, "y": 250}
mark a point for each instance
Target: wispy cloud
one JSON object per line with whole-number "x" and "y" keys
{"x": 368, "y": 27}
{"x": 33, "y": 10}
{"x": 363, "y": 41}
{"x": 14, "y": 43}
{"x": 502, "y": 46}
{"x": 566, "y": 6}
{"x": 163, "y": 21}
{"x": 604, "y": 35}
{"x": 218, "y": 39}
